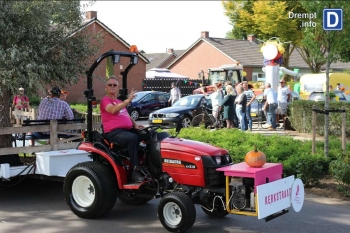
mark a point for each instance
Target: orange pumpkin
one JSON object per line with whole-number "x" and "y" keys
{"x": 255, "y": 158}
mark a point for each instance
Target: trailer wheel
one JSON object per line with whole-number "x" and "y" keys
{"x": 90, "y": 189}
{"x": 130, "y": 200}
{"x": 218, "y": 212}
{"x": 176, "y": 212}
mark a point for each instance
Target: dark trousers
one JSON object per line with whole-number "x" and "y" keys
{"x": 128, "y": 138}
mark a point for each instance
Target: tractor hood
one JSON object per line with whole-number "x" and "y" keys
{"x": 191, "y": 147}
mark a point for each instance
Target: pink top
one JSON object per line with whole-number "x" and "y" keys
{"x": 118, "y": 120}
{"x": 21, "y": 101}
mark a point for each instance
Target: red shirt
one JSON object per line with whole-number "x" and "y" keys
{"x": 21, "y": 102}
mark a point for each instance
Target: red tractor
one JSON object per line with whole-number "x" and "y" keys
{"x": 180, "y": 172}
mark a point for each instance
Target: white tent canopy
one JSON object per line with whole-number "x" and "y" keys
{"x": 163, "y": 73}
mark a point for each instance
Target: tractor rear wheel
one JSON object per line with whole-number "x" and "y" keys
{"x": 176, "y": 212}
{"x": 90, "y": 189}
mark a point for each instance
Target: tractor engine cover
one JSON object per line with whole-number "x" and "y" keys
{"x": 188, "y": 162}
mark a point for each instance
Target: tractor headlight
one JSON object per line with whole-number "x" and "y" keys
{"x": 227, "y": 157}
{"x": 218, "y": 160}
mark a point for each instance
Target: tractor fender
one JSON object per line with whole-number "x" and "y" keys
{"x": 118, "y": 170}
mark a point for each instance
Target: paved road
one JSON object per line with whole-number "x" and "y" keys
{"x": 39, "y": 206}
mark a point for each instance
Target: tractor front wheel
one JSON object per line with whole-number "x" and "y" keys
{"x": 176, "y": 212}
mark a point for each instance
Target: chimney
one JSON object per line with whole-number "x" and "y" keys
{"x": 251, "y": 38}
{"x": 91, "y": 15}
{"x": 170, "y": 51}
{"x": 205, "y": 34}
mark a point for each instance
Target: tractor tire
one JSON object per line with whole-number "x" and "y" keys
{"x": 125, "y": 198}
{"x": 218, "y": 212}
{"x": 135, "y": 114}
{"x": 176, "y": 212}
{"x": 90, "y": 189}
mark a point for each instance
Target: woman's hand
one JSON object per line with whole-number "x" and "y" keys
{"x": 137, "y": 126}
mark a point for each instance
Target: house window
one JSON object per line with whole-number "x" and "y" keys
{"x": 258, "y": 77}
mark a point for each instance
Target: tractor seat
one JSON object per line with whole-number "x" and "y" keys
{"x": 115, "y": 147}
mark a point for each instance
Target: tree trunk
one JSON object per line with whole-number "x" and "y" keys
{"x": 326, "y": 107}
{"x": 5, "y": 120}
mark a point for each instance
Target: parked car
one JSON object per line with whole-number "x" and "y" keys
{"x": 188, "y": 107}
{"x": 146, "y": 102}
{"x": 320, "y": 96}
{"x": 256, "y": 105}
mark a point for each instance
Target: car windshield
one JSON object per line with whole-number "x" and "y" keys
{"x": 317, "y": 96}
{"x": 188, "y": 101}
{"x": 140, "y": 95}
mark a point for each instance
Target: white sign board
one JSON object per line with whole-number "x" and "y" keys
{"x": 297, "y": 197}
{"x": 274, "y": 197}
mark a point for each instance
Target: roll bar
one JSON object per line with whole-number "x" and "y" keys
{"x": 89, "y": 92}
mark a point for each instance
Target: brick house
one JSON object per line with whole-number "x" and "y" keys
{"x": 208, "y": 52}
{"x": 162, "y": 60}
{"x": 110, "y": 41}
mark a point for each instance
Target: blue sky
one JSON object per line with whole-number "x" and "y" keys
{"x": 155, "y": 26}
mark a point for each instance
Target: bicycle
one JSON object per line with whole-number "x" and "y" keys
{"x": 208, "y": 119}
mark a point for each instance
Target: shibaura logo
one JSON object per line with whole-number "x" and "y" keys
{"x": 332, "y": 19}
{"x": 307, "y": 18}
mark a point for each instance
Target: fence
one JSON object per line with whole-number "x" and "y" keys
{"x": 186, "y": 86}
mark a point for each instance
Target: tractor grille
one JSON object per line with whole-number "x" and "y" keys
{"x": 213, "y": 177}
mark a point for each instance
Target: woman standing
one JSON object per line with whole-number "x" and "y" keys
{"x": 228, "y": 103}
{"x": 216, "y": 101}
{"x": 241, "y": 104}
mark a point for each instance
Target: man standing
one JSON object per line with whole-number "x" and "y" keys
{"x": 175, "y": 94}
{"x": 283, "y": 97}
{"x": 271, "y": 103}
{"x": 250, "y": 98}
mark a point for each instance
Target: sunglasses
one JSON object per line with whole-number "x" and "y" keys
{"x": 281, "y": 82}
{"x": 114, "y": 85}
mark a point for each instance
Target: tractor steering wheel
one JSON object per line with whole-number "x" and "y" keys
{"x": 146, "y": 130}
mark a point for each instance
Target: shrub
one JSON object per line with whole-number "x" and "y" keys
{"x": 340, "y": 170}
{"x": 309, "y": 168}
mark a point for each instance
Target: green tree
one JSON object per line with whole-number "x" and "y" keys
{"x": 329, "y": 46}
{"x": 266, "y": 19}
{"x": 41, "y": 44}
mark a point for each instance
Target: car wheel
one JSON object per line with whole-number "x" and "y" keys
{"x": 135, "y": 114}
{"x": 186, "y": 122}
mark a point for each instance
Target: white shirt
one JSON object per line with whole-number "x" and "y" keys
{"x": 216, "y": 98}
{"x": 271, "y": 97}
{"x": 175, "y": 94}
{"x": 282, "y": 94}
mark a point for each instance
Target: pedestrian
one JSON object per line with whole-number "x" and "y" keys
{"x": 241, "y": 106}
{"x": 119, "y": 127}
{"x": 296, "y": 87}
{"x": 283, "y": 97}
{"x": 216, "y": 100}
{"x": 338, "y": 87}
{"x": 250, "y": 98}
{"x": 270, "y": 106}
{"x": 234, "y": 94}
{"x": 20, "y": 102}
{"x": 175, "y": 94}
{"x": 228, "y": 104}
